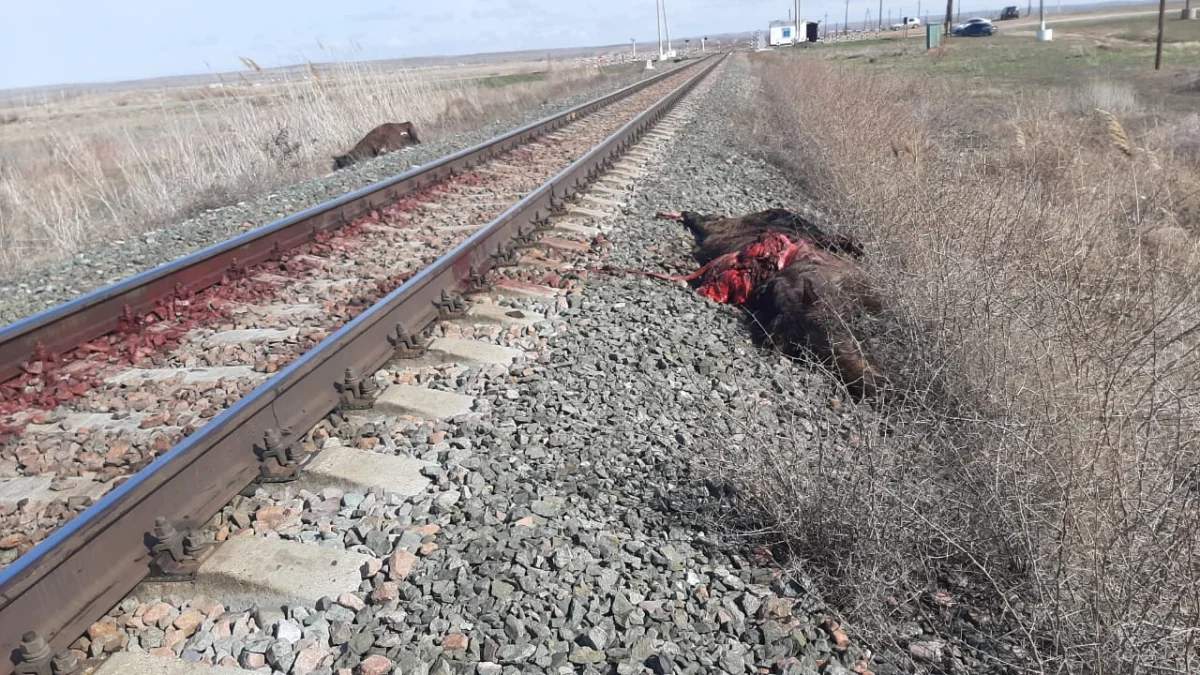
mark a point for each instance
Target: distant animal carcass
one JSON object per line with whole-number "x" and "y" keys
{"x": 381, "y": 140}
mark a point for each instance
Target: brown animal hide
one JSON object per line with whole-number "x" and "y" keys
{"x": 717, "y": 235}
{"x": 381, "y": 140}
{"x": 815, "y": 305}
{"x": 813, "y": 302}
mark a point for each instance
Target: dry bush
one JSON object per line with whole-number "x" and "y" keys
{"x": 1118, "y": 98}
{"x": 1183, "y": 139}
{"x": 1043, "y": 460}
{"x": 80, "y": 184}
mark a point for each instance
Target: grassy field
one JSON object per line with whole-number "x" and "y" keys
{"x": 507, "y": 80}
{"x": 1013, "y": 63}
{"x": 1032, "y": 213}
{"x": 83, "y": 167}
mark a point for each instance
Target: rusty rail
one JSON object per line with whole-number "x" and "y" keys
{"x": 76, "y": 575}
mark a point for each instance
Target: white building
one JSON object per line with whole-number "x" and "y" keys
{"x": 782, "y": 33}
{"x": 791, "y": 32}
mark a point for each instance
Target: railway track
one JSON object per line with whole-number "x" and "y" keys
{"x": 173, "y": 391}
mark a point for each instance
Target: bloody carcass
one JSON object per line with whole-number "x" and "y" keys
{"x": 802, "y": 285}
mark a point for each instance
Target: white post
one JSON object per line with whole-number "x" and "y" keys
{"x": 1044, "y": 34}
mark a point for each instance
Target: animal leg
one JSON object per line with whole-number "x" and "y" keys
{"x": 852, "y": 364}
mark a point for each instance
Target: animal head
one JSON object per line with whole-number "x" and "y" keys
{"x": 412, "y": 135}
{"x": 695, "y": 222}
{"x": 341, "y": 162}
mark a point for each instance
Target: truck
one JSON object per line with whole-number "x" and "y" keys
{"x": 907, "y": 22}
{"x": 1010, "y": 13}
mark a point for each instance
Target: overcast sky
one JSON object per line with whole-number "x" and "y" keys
{"x": 67, "y": 41}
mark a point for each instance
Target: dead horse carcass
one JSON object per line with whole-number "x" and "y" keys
{"x": 801, "y": 284}
{"x": 381, "y": 140}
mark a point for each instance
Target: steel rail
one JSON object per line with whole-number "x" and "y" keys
{"x": 62, "y": 328}
{"x": 83, "y": 569}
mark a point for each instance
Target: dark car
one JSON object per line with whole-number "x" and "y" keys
{"x": 976, "y": 30}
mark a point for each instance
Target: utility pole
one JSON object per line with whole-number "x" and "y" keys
{"x": 633, "y": 45}
{"x": 880, "y": 15}
{"x": 949, "y": 17}
{"x": 800, "y": 34}
{"x": 1162, "y": 12}
{"x": 666, "y": 27}
{"x": 1043, "y": 34}
{"x": 658, "y": 18}
{"x": 846, "y": 18}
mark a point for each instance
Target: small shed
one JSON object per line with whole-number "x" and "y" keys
{"x": 811, "y": 30}
{"x": 782, "y": 33}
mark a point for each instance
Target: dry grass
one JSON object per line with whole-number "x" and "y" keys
{"x": 81, "y": 170}
{"x": 1183, "y": 138}
{"x": 1115, "y": 97}
{"x": 1045, "y": 462}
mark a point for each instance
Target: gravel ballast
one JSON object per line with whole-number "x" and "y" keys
{"x": 53, "y": 284}
{"x": 568, "y": 527}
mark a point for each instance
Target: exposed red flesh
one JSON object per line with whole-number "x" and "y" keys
{"x": 734, "y": 277}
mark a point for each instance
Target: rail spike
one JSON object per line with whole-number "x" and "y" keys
{"x": 65, "y": 663}
{"x": 450, "y": 306}
{"x": 35, "y": 658}
{"x": 357, "y": 393}
{"x": 477, "y": 281}
{"x": 541, "y": 222}
{"x": 527, "y": 237}
{"x": 178, "y": 553}
{"x": 404, "y": 345}
{"x": 34, "y": 655}
{"x": 279, "y": 462}
{"x": 506, "y": 256}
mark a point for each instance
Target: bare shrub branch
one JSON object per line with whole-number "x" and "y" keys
{"x": 1043, "y": 281}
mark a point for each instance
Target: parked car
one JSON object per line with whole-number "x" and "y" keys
{"x": 976, "y": 30}
{"x": 959, "y": 26}
{"x": 1010, "y": 13}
